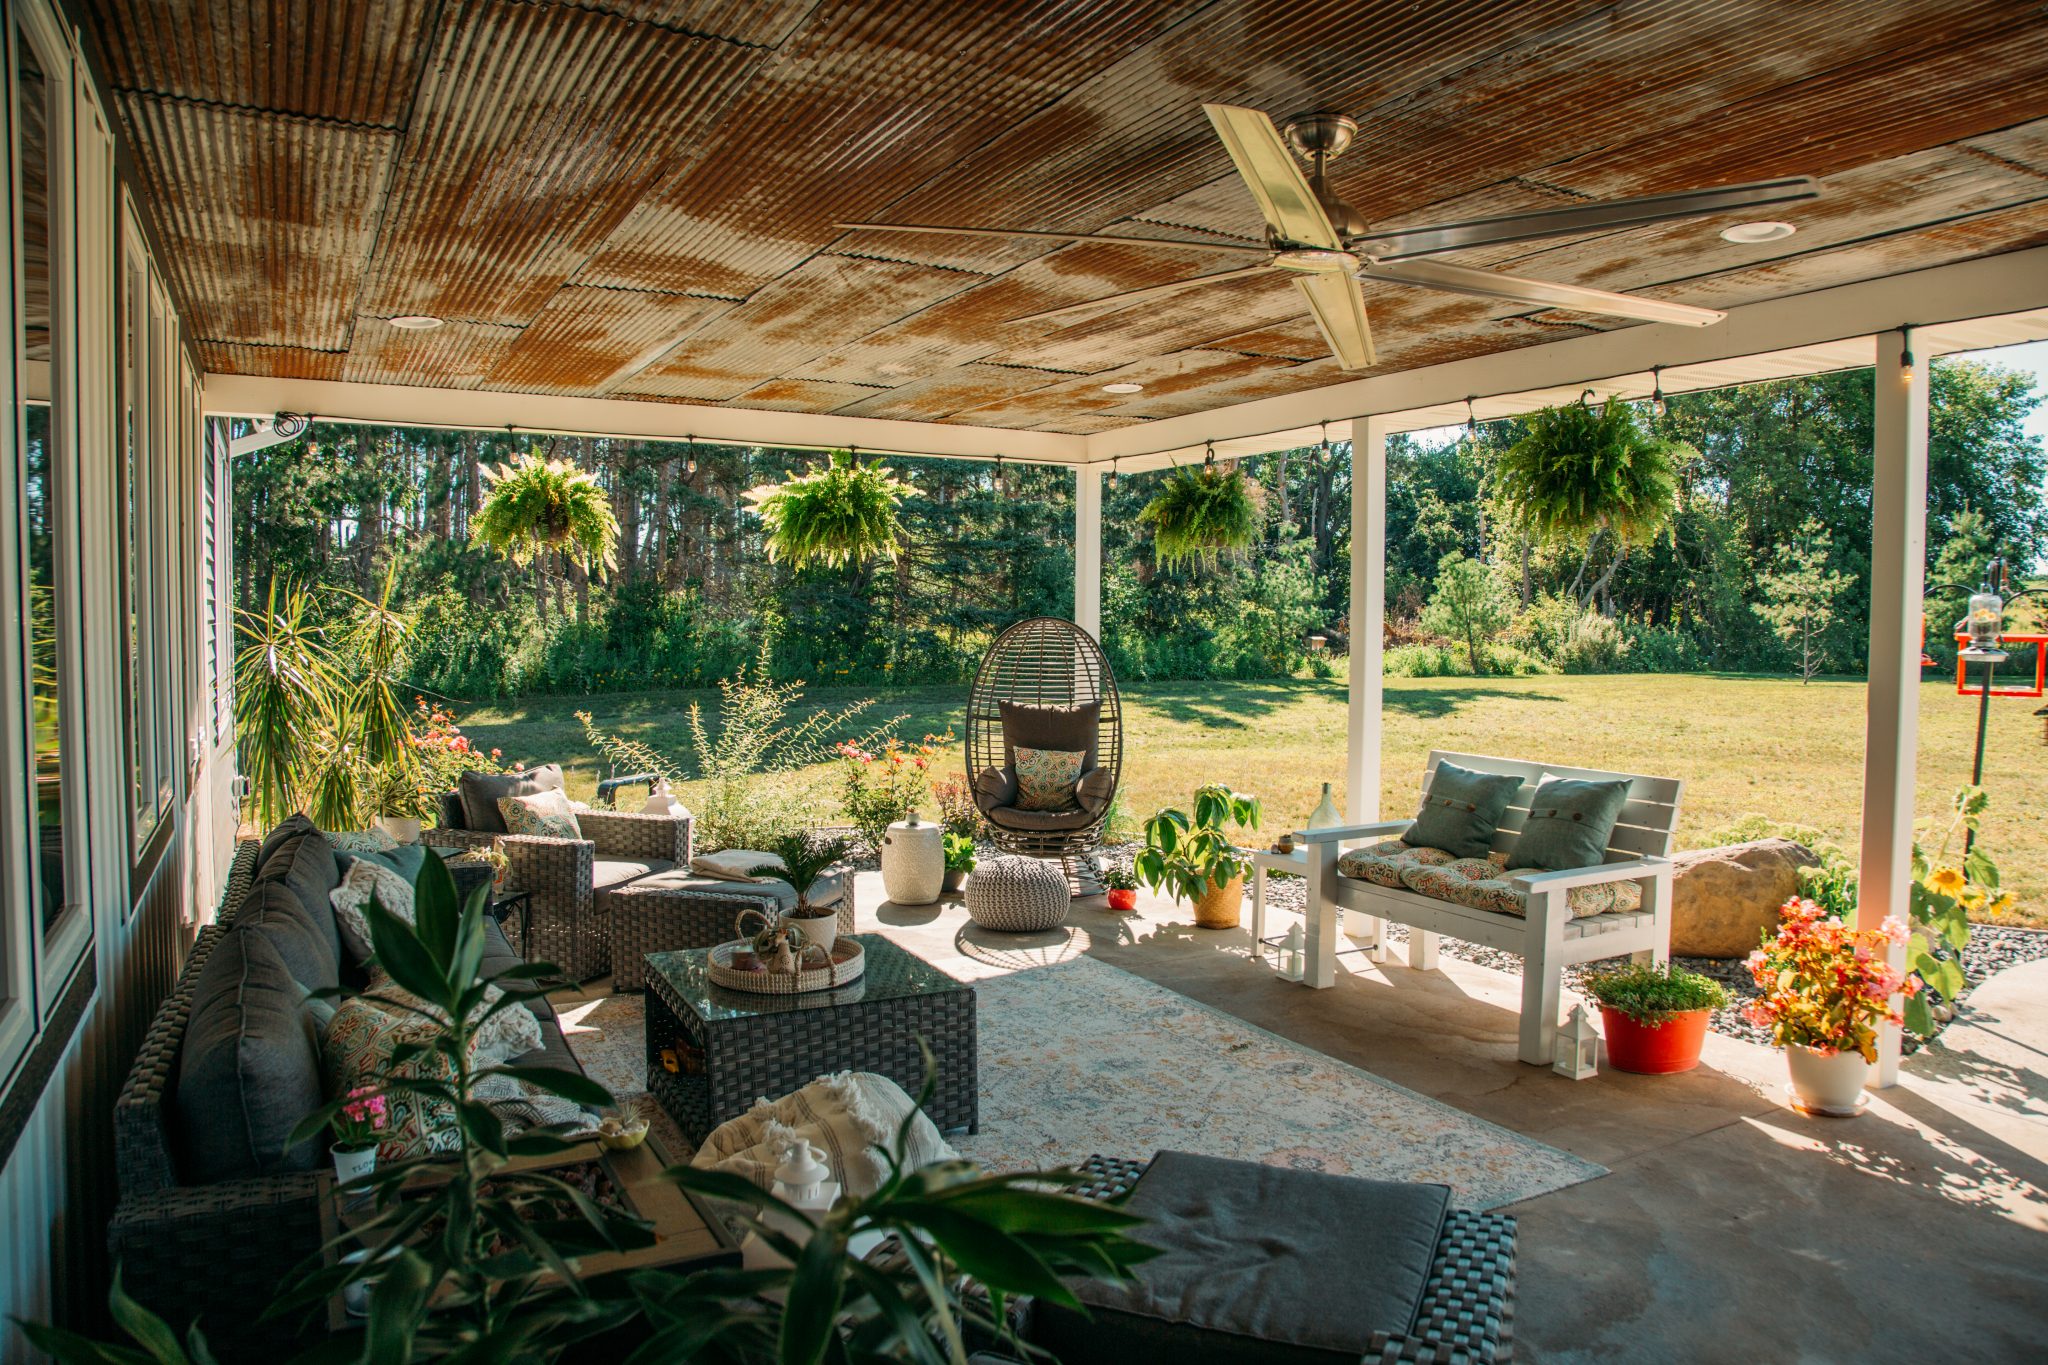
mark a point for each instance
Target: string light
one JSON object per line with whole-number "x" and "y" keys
{"x": 1209, "y": 460}
{"x": 1657, "y": 404}
{"x": 1327, "y": 456}
{"x": 690, "y": 463}
{"x": 1001, "y": 487}
{"x": 1112, "y": 476}
{"x": 1906, "y": 361}
{"x": 1471, "y": 418}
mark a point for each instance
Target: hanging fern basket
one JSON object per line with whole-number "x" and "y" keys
{"x": 1200, "y": 515}
{"x": 1581, "y": 469}
{"x": 843, "y": 513}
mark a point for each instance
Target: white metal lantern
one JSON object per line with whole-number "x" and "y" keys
{"x": 1293, "y": 954}
{"x": 1578, "y": 1047}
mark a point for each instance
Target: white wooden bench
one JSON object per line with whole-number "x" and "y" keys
{"x": 1546, "y": 938}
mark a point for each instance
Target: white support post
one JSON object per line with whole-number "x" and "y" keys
{"x": 1898, "y": 557}
{"x": 1368, "y": 611}
{"x": 1088, "y": 549}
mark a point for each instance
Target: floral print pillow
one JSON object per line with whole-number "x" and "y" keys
{"x": 357, "y": 1053}
{"x": 364, "y": 880}
{"x": 1046, "y": 778}
{"x": 544, "y": 814}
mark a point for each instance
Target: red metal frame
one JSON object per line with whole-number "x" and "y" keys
{"x": 1965, "y": 689}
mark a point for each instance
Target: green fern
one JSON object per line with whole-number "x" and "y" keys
{"x": 840, "y": 514}
{"x": 536, "y": 505}
{"x": 1201, "y": 514}
{"x": 1581, "y": 470}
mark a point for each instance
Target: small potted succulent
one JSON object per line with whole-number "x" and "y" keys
{"x": 1123, "y": 887}
{"x": 358, "y": 1127}
{"x": 1827, "y": 989}
{"x": 959, "y": 859}
{"x": 1655, "y": 1017}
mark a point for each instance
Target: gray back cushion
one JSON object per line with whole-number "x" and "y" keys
{"x": 249, "y": 1069}
{"x": 300, "y": 861}
{"x": 1073, "y": 729}
{"x": 480, "y": 793}
{"x": 1570, "y": 821}
{"x": 1462, "y": 809}
{"x": 306, "y": 941}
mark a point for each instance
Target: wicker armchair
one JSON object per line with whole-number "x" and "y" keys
{"x": 570, "y": 879}
{"x": 1045, "y": 683}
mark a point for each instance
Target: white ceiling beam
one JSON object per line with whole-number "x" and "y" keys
{"x": 235, "y": 395}
{"x": 1809, "y": 333}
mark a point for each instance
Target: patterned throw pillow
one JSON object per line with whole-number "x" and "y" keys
{"x": 545, "y": 814}
{"x": 1046, "y": 777}
{"x": 359, "y": 840}
{"x": 364, "y": 879}
{"x": 357, "y": 1052}
{"x": 511, "y": 1032}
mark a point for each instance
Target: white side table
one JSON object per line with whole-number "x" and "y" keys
{"x": 1368, "y": 928}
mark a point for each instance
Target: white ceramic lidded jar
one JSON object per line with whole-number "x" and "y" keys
{"x": 913, "y": 861}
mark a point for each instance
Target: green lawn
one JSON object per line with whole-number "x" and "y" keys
{"x": 1743, "y": 745}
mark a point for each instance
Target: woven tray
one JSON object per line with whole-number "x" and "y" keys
{"x": 736, "y": 966}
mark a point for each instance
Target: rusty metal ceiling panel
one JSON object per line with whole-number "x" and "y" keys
{"x": 459, "y": 355}
{"x": 1173, "y": 323}
{"x": 585, "y": 339}
{"x": 2025, "y": 145}
{"x": 537, "y": 130}
{"x": 938, "y": 396}
{"x": 758, "y": 23}
{"x": 826, "y": 302}
{"x": 354, "y": 61}
{"x": 282, "y": 362}
{"x": 1161, "y": 375}
{"x": 803, "y": 395}
{"x": 272, "y": 217}
{"x": 866, "y": 101}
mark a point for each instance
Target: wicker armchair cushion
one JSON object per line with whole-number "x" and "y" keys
{"x": 993, "y": 788}
{"x": 1095, "y": 790}
{"x": 1259, "y": 1263}
{"x": 1050, "y": 727}
{"x": 305, "y": 938}
{"x": 480, "y": 793}
{"x": 250, "y": 1066}
{"x": 1016, "y": 817}
{"x": 608, "y": 874}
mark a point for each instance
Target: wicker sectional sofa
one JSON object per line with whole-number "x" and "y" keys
{"x": 216, "y": 1249}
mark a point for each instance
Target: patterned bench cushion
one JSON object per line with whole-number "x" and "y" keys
{"x": 1475, "y": 883}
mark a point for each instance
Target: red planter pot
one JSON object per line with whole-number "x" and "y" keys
{"x": 1123, "y": 898}
{"x": 1655, "y": 1050}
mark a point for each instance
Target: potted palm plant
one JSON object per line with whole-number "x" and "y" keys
{"x": 1199, "y": 515}
{"x": 1655, "y": 1017}
{"x": 1195, "y": 860}
{"x": 841, "y": 513}
{"x": 801, "y": 858}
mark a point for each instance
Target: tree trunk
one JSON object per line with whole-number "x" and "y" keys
{"x": 1528, "y": 571}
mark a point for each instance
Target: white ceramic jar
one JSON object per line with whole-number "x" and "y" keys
{"x": 913, "y": 861}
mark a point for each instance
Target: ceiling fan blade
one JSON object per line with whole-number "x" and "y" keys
{"x": 1149, "y": 292}
{"x": 1056, "y": 236}
{"x": 1273, "y": 175}
{"x": 1399, "y": 244}
{"x": 1339, "y": 307}
{"x": 1463, "y": 279}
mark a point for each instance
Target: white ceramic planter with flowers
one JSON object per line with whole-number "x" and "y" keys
{"x": 1827, "y": 990}
{"x": 358, "y": 1128}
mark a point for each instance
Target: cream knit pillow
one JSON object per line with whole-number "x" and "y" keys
{"x": 848, "y": 1115}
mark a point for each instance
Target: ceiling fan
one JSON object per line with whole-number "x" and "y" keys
{"x": 1327, "y": 247}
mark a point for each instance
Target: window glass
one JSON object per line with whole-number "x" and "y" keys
{"x": 135, "y": 516}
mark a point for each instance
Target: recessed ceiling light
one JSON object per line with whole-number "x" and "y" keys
{"x": 1123, "y": 386}
{"x": 416, "y": 322}
{"x": 1747, "y": 233}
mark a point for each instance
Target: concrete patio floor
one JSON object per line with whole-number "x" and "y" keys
{"x": 1731, "y": 1227}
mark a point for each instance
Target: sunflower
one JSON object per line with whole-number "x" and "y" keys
{"x": 1946, "y": 881}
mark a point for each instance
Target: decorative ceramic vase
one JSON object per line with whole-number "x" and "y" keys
{"x": 353, "y": 1165}
{"x": 913, "y": 861}
{"x": 1219, "y": 906}
{"x": 1326, "y": 815}
{"x": 1659, "y": 1049}
{"x": 1827, "y": 1084}
{"x": 820, "y": 931}
{"x": 662, "y": 801}
{"x": 405, "y": 829}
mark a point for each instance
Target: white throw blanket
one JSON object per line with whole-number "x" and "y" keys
{"x": 734, "y": 864}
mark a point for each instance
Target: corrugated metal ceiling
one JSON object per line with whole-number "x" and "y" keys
{"x": 636, "y": 198}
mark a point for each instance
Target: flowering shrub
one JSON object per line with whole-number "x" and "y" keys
{"x": 1827, "y": 986}
{"x": 441, "y": 753}
{"x": 362, "y": 1117}
{"x": 957, "y": 811}
{"x": 880, "y": 786}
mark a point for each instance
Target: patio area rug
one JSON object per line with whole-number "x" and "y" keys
{"x": 1081, "y": 1057}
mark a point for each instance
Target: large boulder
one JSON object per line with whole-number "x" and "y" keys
{"x": 1724, "y": 899}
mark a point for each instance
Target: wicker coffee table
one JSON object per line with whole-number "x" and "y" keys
{"x": 711, "y": 1052}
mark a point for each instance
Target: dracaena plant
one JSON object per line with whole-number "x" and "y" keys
{"x": 1188, "y": 857}
{"x": 285, "y": 692}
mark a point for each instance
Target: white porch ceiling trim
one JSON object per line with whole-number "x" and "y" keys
{"x": 1993, "y": 301}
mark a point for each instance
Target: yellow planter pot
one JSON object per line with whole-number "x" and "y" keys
{"x": 1219, "y": 906}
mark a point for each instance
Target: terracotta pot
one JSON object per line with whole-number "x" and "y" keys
{"x": 1219, "y": 906}
{"x": 1827, "y": 1084}
{"x": 1123, "y": 897}
{"x": 1654, "y": 1049}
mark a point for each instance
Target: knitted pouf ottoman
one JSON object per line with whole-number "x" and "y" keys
{"x": 1017, "y": 895}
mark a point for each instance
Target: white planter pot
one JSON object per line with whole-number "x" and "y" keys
{"x": 406, "y": 831}
{"x": 351, "y": 1165}
{"x": 820, "y": 932}
{"x": 1827, "y": 1085}
{"x": 913, "y": 861}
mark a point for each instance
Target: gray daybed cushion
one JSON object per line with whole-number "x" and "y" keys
{"x": 481, "y": 791}
{"x": 1259, "y": 1263}
{"x": 1047, "y": 821}
{"x": 249, "y": 1069}
{"x": 1462, "y": 809}
{"x": 305, "y": 938}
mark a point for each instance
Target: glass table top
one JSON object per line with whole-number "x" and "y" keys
{"x": 891, "y": 974}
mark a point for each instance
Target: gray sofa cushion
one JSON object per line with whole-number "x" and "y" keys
{"x": 1072, "y": 728}
{"x": 1462, "y": 809}
{"x": 480, "y": 793}
{"x": 1259, "y": 1263}
{"x": 609, "y": 873}
{"x": 406, "y": 860}
{"x": 1570, "y": 821}
{"x": 249, "y": 1069}
{"x": 301, "y": 861}
{"x": 305, "y": 939}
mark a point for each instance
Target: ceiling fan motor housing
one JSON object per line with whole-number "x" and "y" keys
{"x": 1317, "y": 138}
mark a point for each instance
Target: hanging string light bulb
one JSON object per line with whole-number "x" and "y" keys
{"x": 1112, "y": 476}
{"x": 1326, "y": 456}
{"x": 1209, "y": 459}
{"x": 1002, "y": 486}
{"x": 1471, "y": 420}
{"x": 1657, "y": 404}
{"x": 690, "y": 461}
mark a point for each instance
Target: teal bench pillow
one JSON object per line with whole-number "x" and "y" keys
{"x": 406, "y": 860}
{"x": 1462, "y": 809}
{"x": 1571, "y": 820}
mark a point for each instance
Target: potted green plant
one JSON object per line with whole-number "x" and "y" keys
{"x": 1123, "y": 887}
{"x": 1827, "y": 989}
{"x": 537, "y": 506}
{"x": 959, "y": 859}
{"x": 1655, "y": 1017}
{"x": 1199, "y": 515}
{"x": 1195, "y": 860}
{"x": 802, "y": 858}
{"x": 842, "y": 513}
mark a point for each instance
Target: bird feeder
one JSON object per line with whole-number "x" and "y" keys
{"x": 1981, "y": 626}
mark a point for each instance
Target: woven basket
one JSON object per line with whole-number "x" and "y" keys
{"x": 1219, "y": 906}
{"x": 1018, "y": 895}
{"x": 848, "y": 962}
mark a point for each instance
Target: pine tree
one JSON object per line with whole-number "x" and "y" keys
{"x": 1468, "y": 605}
{"x": 1800, "y": 593}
